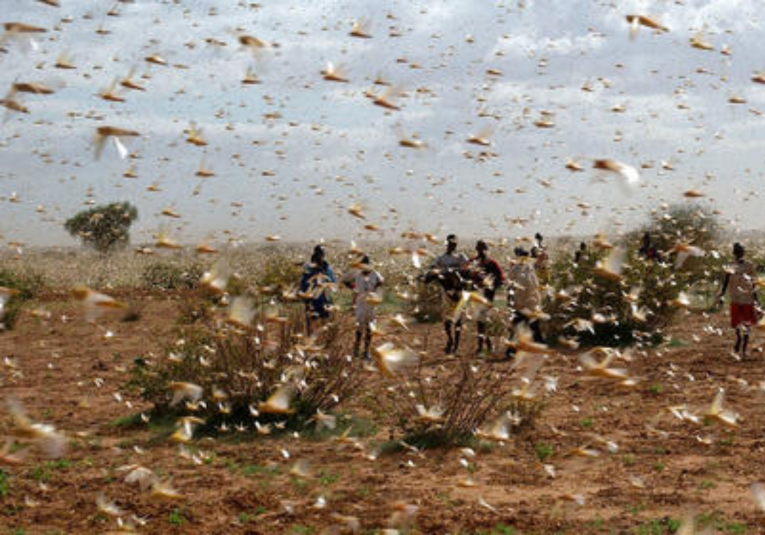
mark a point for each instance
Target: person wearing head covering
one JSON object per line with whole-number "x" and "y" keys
{"x": 447, "y": 268}
{"x": 316, "y": 283}
{"x": 523, "y": 296}
{"x": 364, "y": 281}
{"x": 740, "y": 280}
{"x": 487, "y": 277}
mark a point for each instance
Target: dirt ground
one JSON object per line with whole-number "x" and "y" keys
{"x": 71, "y": 374}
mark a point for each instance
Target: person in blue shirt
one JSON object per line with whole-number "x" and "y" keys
{"x": 315, "y": 286}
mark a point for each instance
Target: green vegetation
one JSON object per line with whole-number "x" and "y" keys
{"x": 176, "y": 517}
{"x": 544, "y": 451}
{"x": 25, "y": 285}
{"x": 5, "y": 484}
{"x": 634, "y": 297}
{"x": 105, "y": 227}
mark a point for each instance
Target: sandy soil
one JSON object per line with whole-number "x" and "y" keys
{"x": 72, "y": 376}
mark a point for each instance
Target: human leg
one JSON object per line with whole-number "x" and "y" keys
{"x": 449, "y": 339}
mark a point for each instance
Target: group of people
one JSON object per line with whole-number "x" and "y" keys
{"x": 480, "y": 276}
{"x": 457, "y": 274}
{"x": 477, "y": 279}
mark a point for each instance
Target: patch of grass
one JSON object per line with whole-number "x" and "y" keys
{"x": 635, "y": 509}
{"x": 628, "y": 459}
{"x": 707, "y": 484}
{"x": 657, "y": 388}
{"x": 44, "y": 472}
{"x": 300, "y": 529}
{"x": 328, "y": 478}
{"x": 544, "y": 451}
{"x": 586, "y": 422}
{"x": 176, "y": 517}
{"x": 5, "y": 485}
{"x": 658, "y": 466}
{"x": 301, "y": 485}
{"x": 350, "y": 424}
{"x": 676, "y": 342}
{"x": 502, "y": 529}
{"x": 660, "y": 526}
{"x": 715, "y": 520}
{"x": 251, "y": 470}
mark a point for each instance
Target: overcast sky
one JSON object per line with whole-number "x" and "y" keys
{"x": 291, "y": 154}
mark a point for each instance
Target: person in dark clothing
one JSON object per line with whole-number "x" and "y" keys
{"x": 447, "y": 271}
{"x": 580, "y": 252}
{"x": 315, "y": 285}
{"x": 648, "y": 250}
{"x": 487, "y": 277}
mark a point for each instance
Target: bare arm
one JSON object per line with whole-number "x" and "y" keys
{"x": 725, "y": 283}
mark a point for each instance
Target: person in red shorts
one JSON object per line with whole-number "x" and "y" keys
{"x": 740, "y": 279}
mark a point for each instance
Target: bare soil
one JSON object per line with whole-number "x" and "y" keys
{"x": 72, "y": 374}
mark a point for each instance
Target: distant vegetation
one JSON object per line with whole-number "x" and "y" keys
{"x": 105, "y": 227}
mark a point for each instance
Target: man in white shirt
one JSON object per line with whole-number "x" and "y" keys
{"x": 523, "y": 296}
{"x": 364, "y": 281}
{"x": 740, "y": 278}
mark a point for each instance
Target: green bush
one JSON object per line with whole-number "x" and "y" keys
{"x": 27, "y": 284}
{"x": 105, "y": 227}
{"x": 638, "y": 306}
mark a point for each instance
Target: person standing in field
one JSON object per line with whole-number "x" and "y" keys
{"x": 315, "y": 285}
{"x": 740, "y": 280}
{"x": 523, "y": 297}
{"x": 447, "y": 268}
{"x": 648, "y": 250}
{"x": 488, "y": 277}
{"x": 579, "y": 253}
{"x": 364, "y": 281}
{"x": 542, "y": 259}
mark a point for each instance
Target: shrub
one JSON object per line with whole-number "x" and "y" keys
{"x": 27, "y": 284}
{"x": 167, "y": 276}
{"x": 103, "y": 227}
{"x": 425, "y": 303}
{"x": 452, "y": 409}
{"x": 240, "y": 369}
{"x": 279, "y": 272}
{"x": 681, "y": 223}
{"x": 642, "y": 303}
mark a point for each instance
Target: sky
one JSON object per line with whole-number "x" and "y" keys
{"x": 292, "y": 154}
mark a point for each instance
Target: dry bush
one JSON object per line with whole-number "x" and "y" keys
{"x": 425, "y": 305}
{"x": 238, "y": 369}
{"x": 451, "y": 403}
{"x": 162, "y": 275}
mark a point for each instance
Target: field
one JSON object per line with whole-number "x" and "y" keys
{"x": 596, "y": 459}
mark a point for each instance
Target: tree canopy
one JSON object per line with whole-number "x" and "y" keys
{"x": 103, "y": 227}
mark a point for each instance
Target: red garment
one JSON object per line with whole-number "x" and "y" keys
{"x": 488, "y": 267}
{"x": 742, "y": 314}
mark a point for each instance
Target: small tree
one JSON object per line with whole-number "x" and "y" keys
{"x": 103, "y": 227}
